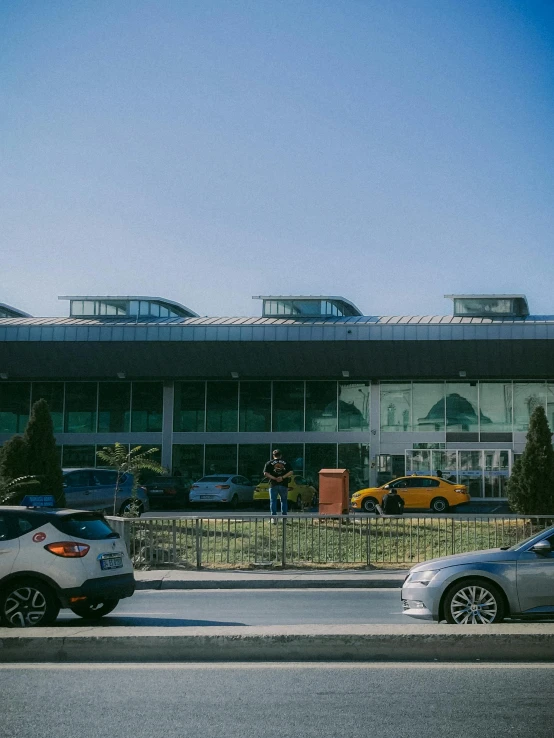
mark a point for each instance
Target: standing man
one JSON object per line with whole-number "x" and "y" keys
{"x": 278, "y": 472}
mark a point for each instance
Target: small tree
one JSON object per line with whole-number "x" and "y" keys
{"x": 43, "y": 459}
{"x": 131, "y": 461}
{"x": 531, "y": 485}
{"x": 14, "y": 465}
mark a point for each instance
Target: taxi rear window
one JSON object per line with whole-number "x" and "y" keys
{"x": 90, "y": 527}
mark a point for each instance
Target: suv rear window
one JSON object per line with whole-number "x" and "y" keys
{"x": 214, "y": 479}
{"x": 89, "y": 526}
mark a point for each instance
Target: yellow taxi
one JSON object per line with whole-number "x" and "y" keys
{"x": 300, "y": 493}
{"x": 435, "y": 493}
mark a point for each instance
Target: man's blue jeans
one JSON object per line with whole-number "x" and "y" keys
{"x": 278, "y": 491}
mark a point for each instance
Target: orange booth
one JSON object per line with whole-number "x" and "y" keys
{"x": 334, "y": 494}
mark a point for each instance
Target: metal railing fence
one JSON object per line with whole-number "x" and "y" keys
{"x": 316, "y": 540}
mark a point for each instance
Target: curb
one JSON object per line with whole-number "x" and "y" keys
{"x": 167, "y": 584}
{"x": 530, "y": 643}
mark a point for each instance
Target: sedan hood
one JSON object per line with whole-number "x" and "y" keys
{"x": 473, "y": 557}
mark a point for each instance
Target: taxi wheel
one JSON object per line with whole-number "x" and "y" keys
{"x": 369, "y": 505}
{"x": 94, "y": 610}
{"x": 27, "y": 603}
{"x": 439, "y": 505}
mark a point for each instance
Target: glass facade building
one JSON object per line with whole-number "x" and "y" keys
{"x": 380, "y": 396}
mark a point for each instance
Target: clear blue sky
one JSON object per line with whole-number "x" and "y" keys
{"x": 206, "y": 151}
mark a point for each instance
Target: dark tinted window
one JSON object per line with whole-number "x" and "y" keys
{"x": 5, "y": 528}
{"x": 77, "y": 479}
{"x": 105, "y": 477}
{"x": 90, "y": 527}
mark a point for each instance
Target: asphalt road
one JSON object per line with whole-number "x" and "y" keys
{"x": 277, "y": 700}
{"x": 253, "y": 607}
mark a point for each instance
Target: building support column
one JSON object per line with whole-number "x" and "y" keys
{"x": 167, "y": 428}
{"x": 375, "y": 425}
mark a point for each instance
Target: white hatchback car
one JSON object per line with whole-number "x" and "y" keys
{"x": 51, "y": 559}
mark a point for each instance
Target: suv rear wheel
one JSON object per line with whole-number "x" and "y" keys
{"x": 94, "y": 610}
{"x": 27, "y": 603}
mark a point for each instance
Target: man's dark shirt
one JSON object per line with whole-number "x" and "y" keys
{"x": 278, "y": 468}
{"x": 393, "y": 504}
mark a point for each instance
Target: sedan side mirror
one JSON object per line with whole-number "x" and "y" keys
{"x": 542, "y": 547}
{"x": 387, "y": 486}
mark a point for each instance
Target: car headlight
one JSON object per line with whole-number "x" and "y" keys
{"x": 356, "y": 495}
{"x": 421, "y": 577}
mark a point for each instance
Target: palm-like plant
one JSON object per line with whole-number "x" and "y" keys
{"x": 9, "y": 487}
{"x": 129, "y": 461}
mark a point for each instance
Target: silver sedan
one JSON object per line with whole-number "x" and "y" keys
{"x": 485, "y": 587}
{"x": 227, "y": 489}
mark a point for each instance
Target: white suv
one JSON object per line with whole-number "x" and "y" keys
{"x": 51, "y": 559}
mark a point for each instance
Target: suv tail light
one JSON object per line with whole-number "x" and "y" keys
{"x": 68, "y": 549}
{"x": 223, "y": 486}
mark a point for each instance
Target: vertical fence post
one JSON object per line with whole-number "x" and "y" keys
{"x": 198, "y": 536}
{"x": 284, "y": 542}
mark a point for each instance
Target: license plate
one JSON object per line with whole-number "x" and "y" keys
{"x": 206, "y": 497}
{"x": 111, "y": 562}
{"x": 156, "y": 491}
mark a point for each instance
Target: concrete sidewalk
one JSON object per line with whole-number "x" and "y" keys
{"x": 256, "y": 579}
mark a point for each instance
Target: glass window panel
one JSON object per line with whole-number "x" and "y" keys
{"x": 428, "y": 404}
{"x": 396, "y": 407}
{"x": 252, "y": 459}
{"x": 75, "y": 457}
{"x": 76, "y": 307}
{"x": 164, "y": 312}
{"x": 354, "y": 400}
{"x": 321, "y": 406}
{"x": 288, "y": 406}
{"x": 444, "y": 461}
{"x": 80, "y": 407}
{"x": 134, "y": 307}
{"x": 147, "y": 407}
{"x": 319, "y": 456}
{"x": 188, "y": 462}
{"x": 222, "y": 404}
{"x": 114, "y": 407}
{"x": 293, "y": 453}
{"x": 89, "y": 307}
{"x": 355, "y": 458}
{"x": 255, "y": 406}
{"x": 221, "y": 458}
{"x": 418, "y": 461}
{"x": 155, "y": 309}
{"x": 495, "y": 403}
{"x": 390, "y": 466}
{"x": 52, "y": 392}
{"x": 527, "y": 397}
{"x": 471, "y": 471}
{"x": 190, "y": 407}
{"x": 15, "y": 402}
{"x": 461, "y": 407}
{"x": 144, "y": 308}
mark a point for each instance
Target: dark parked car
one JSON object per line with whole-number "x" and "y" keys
{"x": 168, "y": 493}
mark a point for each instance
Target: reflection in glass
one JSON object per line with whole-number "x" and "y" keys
{"x": 355, "y": 458}
{"x": 396, "y": 407}
{"x": 461, "y": 407}
{"x": 288, "y": 406}
{"x": 418, "y": 461}
{"x": 147, "y": 407}
{"x": 321, "y": 406}
{"x": 114, "y": 407}
{"x": 255, "y": 407}
{"x": 76, "y": 457}
{"x": 445, "y": 461}
{"x": 252, "y": 459}
{"x": 429, "y": 406}
{"x": 471, "y": 471}
{"x": 222, "y": 404}
{"x": 221, "y": 458}
{"x": 390, "y": 466}
{"x": 527, "y": 397}
{"x": 495, "y": 400}
{"x": 190, "y": 407}
{"x": 354, "y": 400}
{"x": 293, "y": 453}
{"x": 80, "y": 407}
{"x": 52, "y": 392}
{"x": 15, "y": 398}
{"x": 319, "y": 456}
{"x": 188, "y": 462}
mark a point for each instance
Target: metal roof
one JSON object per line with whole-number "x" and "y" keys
{"x": 288, "y": 298}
